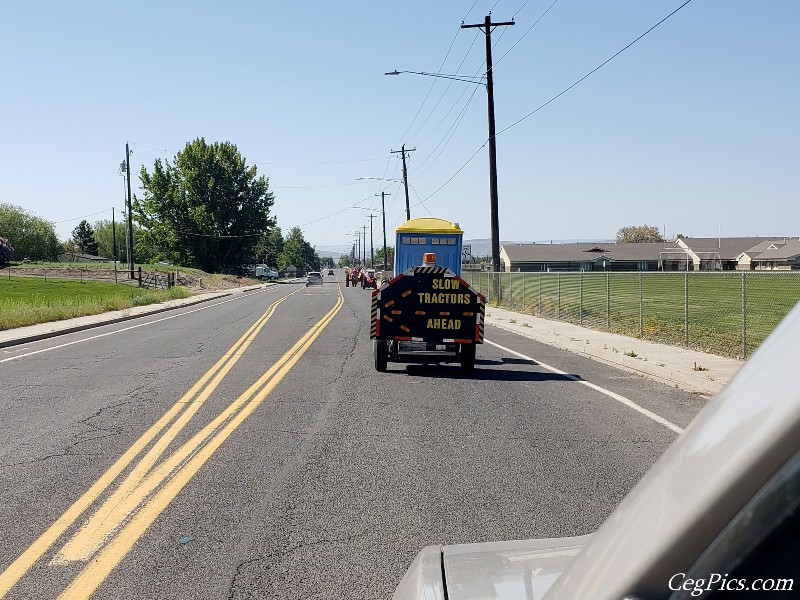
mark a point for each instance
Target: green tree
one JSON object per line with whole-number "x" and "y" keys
{"x": 6, "y": 251}
{"x": 298, "y": 252}
{"x": 389, "y": 253}
{"x": 269, "y": 247}
{"x": 83, "y": 236}
{"x": 206, "y": 209}
{"x": 31, "y": 236}
{"x": 345, "y": 261}
{"x": 104, "y": 236}
{"x": 639, "y": 233}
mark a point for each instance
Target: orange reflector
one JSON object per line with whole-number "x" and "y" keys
{"x": 397, "y": 312}
{"x": 421, "y": 313}
{"x": 429, "y": 259}
{"x": 406, "y": 293}
{"x": 388, "y": 318}
{"x": 469, "y": 314}
{"x": 444, "y": 313}
{"x": 404, "y": 328}
{"x": 388, "y": 304}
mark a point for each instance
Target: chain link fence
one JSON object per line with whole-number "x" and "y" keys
{"x": 724, "y": 313}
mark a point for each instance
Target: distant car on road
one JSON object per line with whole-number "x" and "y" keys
{"x": 330, "y": 271}
{"x": 314, "y": 278}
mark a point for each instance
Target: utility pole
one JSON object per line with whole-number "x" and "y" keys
{"x": 383, "y": 214}
{"x": 371, "y": 247}
{"x": 486, "y": 27}
{"x": 129, "y": 240}
{"x": 114, "y": 237}
{"x": 402, "y": 152}
{"x": 364, "y": 246}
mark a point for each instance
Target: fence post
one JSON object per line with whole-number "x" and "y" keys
{"x": 686, "y": 308}
{"x": 608, "y": 302}
{"x": 641, "y": 308}
{"x": 744, "y": 316}
{"x": 558, "y": 296}
{"x": 140, "y": 276}
{"x": 539, "y": 304}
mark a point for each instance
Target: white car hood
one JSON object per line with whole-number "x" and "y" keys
{"x": 515, "y": 570}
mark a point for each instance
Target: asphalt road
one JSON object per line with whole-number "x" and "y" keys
{"x": 325, "y": 479}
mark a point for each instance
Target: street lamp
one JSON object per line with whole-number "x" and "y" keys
{"x": 464, "y": 78}
{"x": 486, "y": 27}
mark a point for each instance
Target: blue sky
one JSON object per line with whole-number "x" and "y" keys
{"x": 694, "y": 129}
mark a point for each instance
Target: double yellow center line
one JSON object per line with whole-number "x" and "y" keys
{"x": 147, "y": 490}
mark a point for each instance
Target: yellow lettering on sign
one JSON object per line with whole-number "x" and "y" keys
{"x": 443, "y": 298}
{"x": 445, "y": 284}
{"x": 444, "y": 323}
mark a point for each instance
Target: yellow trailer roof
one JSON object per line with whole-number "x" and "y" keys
{"x": 429, "y": 225}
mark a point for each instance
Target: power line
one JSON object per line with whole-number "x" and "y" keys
{"x": 451, "y": 133}
{"x": 463, "y": 166}
{"x": 444, "y": 93}
{"x": 310, "y": 187}
{"x": 458, "y": 120}
{"x": 81, "y": 218}
{"x": 433, "y": 83}
{"x": 337, "y": 162}
{"x": 597, "y": 68}
{"x": 220, "y": 236}
{"x": 453, "y": 176}
{"x": 527, "y": 31}
{"x": 519, "y": 10}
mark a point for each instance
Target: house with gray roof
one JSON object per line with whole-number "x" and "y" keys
{"x": 684, "y": 254}
{"x": 718, "y": 253}
{"x": 774, "y": 255}
{"x": 593, "y": 257}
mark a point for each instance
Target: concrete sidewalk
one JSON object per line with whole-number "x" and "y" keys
{"x": 687, "y": 369}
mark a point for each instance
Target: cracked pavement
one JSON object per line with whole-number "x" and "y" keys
{"x": 342, "y": 475}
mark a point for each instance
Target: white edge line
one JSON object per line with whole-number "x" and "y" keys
{"x": 94, "y": 337}
{"x": 622, "y": 399}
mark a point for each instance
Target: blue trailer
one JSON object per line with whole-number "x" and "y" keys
{"x": 427, "y": 313}
{"x": 417, "y": 237}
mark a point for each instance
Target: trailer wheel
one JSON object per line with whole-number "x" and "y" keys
{"x": 381, "y": 355}
{"x": 467, "y": 355}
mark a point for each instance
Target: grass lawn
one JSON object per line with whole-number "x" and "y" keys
{"x": 724, "y": 311}
{"x": 31, "y": 300}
